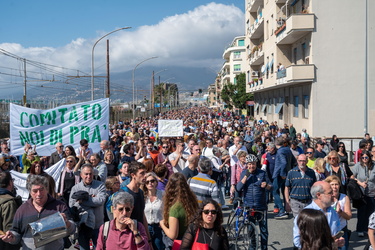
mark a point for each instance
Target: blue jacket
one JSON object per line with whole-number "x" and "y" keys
{"x": 254, "y": 194}
{"x": 284, "y": 162}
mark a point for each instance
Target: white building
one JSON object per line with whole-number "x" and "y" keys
{"x": 235, "y": 61}
{"x": 325, "y": 74}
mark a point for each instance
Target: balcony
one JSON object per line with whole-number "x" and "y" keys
{"x": 296, "y": 73}
{"x": 257, "y": 29}
{"x": 297, "y": 26}
{"x": 257, "y": 58}
{"x": 280, "y": 1}
{"x": 253, "y": 5}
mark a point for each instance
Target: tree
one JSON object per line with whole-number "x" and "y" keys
{"x": 234, "y": 95}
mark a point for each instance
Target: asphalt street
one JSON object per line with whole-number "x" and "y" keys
{"x": 281, "y": 231}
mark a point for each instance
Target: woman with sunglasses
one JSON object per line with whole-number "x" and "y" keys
{"x": 68, "y": 179}
{"x": 343, "y": 155}
{"x": 364, "y": 174}
{"x": 154, "y": 210}
{"x": 334, "y": 167}
{"x": 180, "y": 207}
{"x": 208, "y": 226}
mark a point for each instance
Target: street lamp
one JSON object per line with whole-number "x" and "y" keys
{"x": 92, "y": 59}
{"x": 134, "y": 80}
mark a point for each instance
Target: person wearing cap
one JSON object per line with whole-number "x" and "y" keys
{"x": 296, "y": 151}
{"x": 326, "y": 145}
{"x": 254, "y": 183}
{"x": 319, "y": 153}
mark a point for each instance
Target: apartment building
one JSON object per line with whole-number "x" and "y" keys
{"x": 235, "y": 62}
{"x": 308, "y": 64}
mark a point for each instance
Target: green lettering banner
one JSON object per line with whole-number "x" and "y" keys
{"x": 67, "y": 124}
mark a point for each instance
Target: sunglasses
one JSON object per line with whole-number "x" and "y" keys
{"x": 69, "y": 161}
{"x": 165, "y": 147}
{"x": 61, "y": 146}
{"x": 341, "y": 146}
{"x": 150, "y": 181}
{"x": 213, "y": 212}
{"x": 121, "y": 209}
{"x": 332, "y": 158}
{"x": 309, "y": 153}
{"x": 365, "y": 158}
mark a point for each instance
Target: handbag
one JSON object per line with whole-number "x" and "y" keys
{"x": 176, "y": 245}
{"x": 197, "y": 245}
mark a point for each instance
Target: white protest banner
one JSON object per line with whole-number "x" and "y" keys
{"x": 67, "y": 124}
{"x": 20, "y": 179}
{"x": 170, "y": 128}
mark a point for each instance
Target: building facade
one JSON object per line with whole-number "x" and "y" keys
{"x": 308, "y": 64}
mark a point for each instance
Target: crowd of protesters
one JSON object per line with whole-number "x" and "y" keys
{"x": 143, "y": 191}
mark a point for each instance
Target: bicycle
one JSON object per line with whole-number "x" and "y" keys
{"x": 241, "y": 226}
{"x": 248, "y": 233}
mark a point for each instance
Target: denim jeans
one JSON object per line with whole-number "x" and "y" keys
{"x": 263, "y": 227}
{"x": 278, "y": 186}
{"x": 156, "y": 236}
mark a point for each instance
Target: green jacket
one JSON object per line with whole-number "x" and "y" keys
{"x": 8, "y": 207}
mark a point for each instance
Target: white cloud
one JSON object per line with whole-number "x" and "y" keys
{"x": 196, "y": 38}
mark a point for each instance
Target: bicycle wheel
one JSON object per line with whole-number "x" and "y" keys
{"x": 247, "y": 237}
{"x": 231, "y": 226}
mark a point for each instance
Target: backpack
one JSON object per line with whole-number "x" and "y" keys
{"x": 106, "y": 231}
{"x": 355, "y": 193}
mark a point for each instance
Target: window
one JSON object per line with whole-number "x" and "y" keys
{"x": 241, "y": 42}
{"x": 237, "y": 67}
{"x": 305, "y": 106}
{"x": 295, "y": 106}
{"x": 272, "y": 24}
{"x": 270, "y": 109}
{"x": 295, "y": 56}
{"x": 267, "y": 31}
{"x": 303, "y": 51}
{"x": 235, "y": 80}
{"x": 237, "y": 55}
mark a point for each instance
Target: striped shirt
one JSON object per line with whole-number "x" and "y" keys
{"x": 204, "y": 187}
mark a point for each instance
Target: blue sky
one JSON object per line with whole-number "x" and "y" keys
{"x": 56, "y": 23}
{"x": 191, "y": 34}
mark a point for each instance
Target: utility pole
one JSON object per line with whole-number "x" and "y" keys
{"x": 108, "y": 93}
{"x": 161, "y": 96}
{"x": 152, "y": 93}
{"x": 24, "y": 86}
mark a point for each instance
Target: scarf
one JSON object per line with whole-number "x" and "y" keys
{"x": 343, "y": 176}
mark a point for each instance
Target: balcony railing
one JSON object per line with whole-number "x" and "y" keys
{"x": 257, "y": 58}
{"x": 296, "y": 73}
{"x": 257, "y": 29}
{"x": 296, "y": 26}
{"x": 253, "y": 5}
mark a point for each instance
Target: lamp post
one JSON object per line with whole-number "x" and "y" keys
{"x": 92, "y": 59}
{"x": 134, "y": 80}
